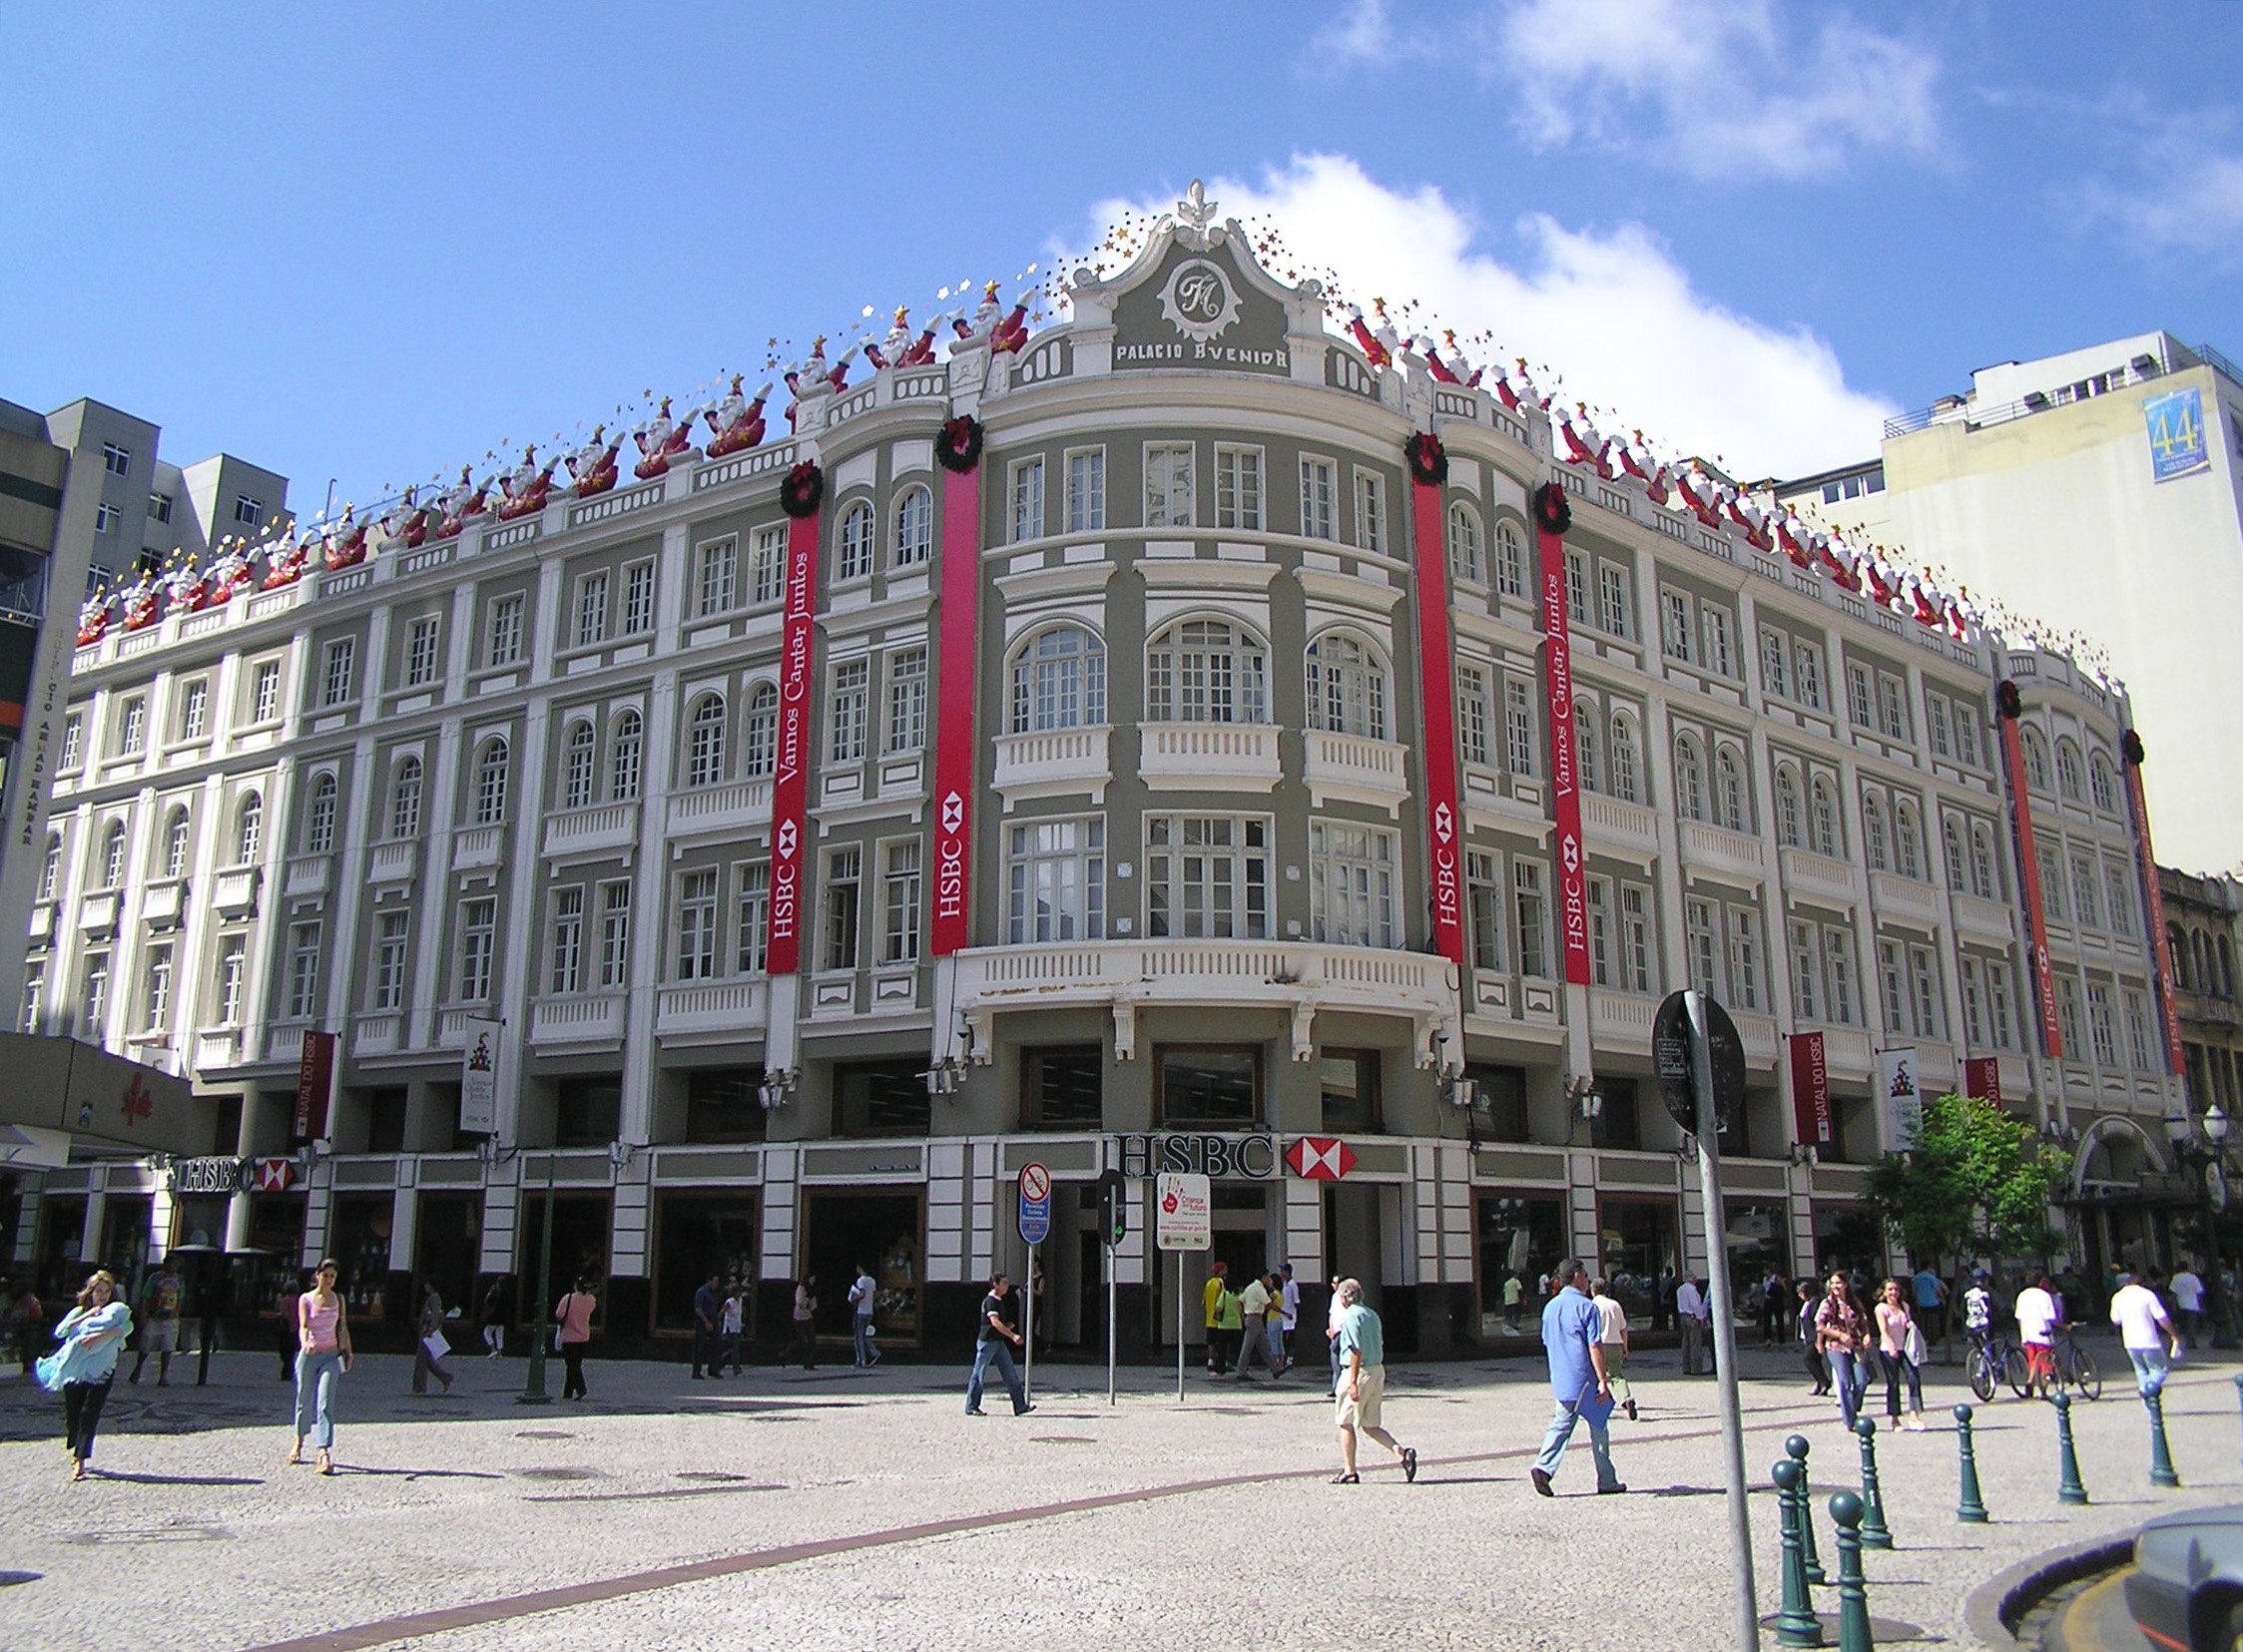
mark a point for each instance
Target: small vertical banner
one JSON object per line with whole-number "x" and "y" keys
{"x": 2009, "y": 706}
{"x": 800, "y": 496}
{"x": 958, "y": 447}
{"x": 1982, "y": 1077}
{"x": 1445, "y": 860}
{"x": 1552, "y": 517}
{"x": 478, "y": 1077}
{"x": 2153, "y": 902}
{"x": 314, "y": 1081}
{"x": 1903, "y": 1102}
{"x": 1810, "y": 1089}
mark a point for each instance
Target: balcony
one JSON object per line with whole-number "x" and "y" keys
{"x": 1356, "y": 769}
{"x": 234, "y": 892}
{"x": 595, "y": 831}
{"x": 1846, "y": 1050}
{"x": 707, "y": 810}
{"x": 1208, "y": 756}
{"x": 587, "y": 1018}
{"x": 307, "y": 875}
{"x": 398, "y": 861}
{"x": 43, "y": 924}
{"x": 1905, "y": 901}
{"x": 164, "y": 904}
{"x": 1758, "y": 1035}
{"x": 1983, "y": 920}
{"x": 1054, "y": 762}
{"x": 1609, "y": 820}
{"x": 97, "y": 914}
{"x": 216, "y": 1049}
{"x": 380, "y": 1034}
{"x": 474, "y": 848}
{"x": 1621, "y": 1020}
{"x": 1820, "y": 877}
{"x": 711, "y": 1010}
{"x": 451, "y": 1024}
{"x": 1707, "y": 847}
{"x": 284, "y": 1040}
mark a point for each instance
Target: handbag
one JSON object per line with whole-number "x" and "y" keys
{"x": 1912, "y": 1346}
{"x": 437, "y": 1345}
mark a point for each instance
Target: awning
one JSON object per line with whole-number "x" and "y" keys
{"x": 101, "y": 1103}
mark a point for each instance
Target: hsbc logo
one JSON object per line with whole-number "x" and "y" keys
{"x": 1320, "y": 1158}
{"x": 788, "y": 836}
{"x": 953, "y": 811}
{"x": 1444, "y": 822}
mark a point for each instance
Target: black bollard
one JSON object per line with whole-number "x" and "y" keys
{"x": 2069, "y": 1487}
{"x": 1795, "y": 1622}
{"x": 1971, "y": 1511}
{"x": 2160, "y": 1453}
{"x": 1874, "y": 1532}
{"x": 1797, "y": 1446}
{"x": 1854, "y": 1634}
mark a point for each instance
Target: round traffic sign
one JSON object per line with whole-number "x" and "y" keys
{"x": 1035, "y": 1183}
{"x": 1670, "y": 1058}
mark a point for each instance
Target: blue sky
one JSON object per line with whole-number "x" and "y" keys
{"x": 373, "y": 243}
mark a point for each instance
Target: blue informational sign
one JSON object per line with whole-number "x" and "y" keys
{"x": 2176, "y": 435}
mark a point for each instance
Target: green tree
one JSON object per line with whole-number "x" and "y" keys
{"x": 1977, "y": 1183}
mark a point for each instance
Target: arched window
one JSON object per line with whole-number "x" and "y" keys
{"x": 1623, "y": 760}
{"x": 2178, "y": 944}
{"x": 1347, "y": 687}
{"x": 1689, "y": 779}
{"x": 1874, "y": 843}
{"x": 1908, "y": 841}
{"x": 1511, "y": 566}
{"x": 1983, "y": 882}
{"x": 2204, "y": 976}
{"x": 1787, "y": 808}
{"x": 1586, "y": 747}
{"x": 578, "y": 767}
{"x": 2036, "y": 751}
{"x": 2101, "y": 785}
{"x": 914, "y": 526}
{"x": 761, "y": 732}
{"x": 404, "y": 800}
{"x": 1466, "y": 560}
{"x": 2068, "y": 780}
{"x": 856, "y": 559}
{"x": 1950, "y": 835}
{"x": 49, "y": 870}
{"x": 1729, "y": 789}
{"x": 112, "y": 856}
{"x": 1823, "y": 817}
{"x": 1059, "y": 681}
{"x": 249, "y": 829}
{"x": 624, "y": 751}
{"x": 705, "y": 742}
{"x": 175, "y": 843}
{"x": 2227, "y": 968}
{"x": 490, "y": 783}
{"x": 1207, "y": 671}
{"x": 318, "y": 816}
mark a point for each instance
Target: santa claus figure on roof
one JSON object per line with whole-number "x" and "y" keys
{"x": 288, "y": 567}
{"x": 346, "y": 542}
{"x": 1701, "y": 491}
{"x": 184, "y": 589}
{"x": 463, "y": 499}
{"x": 527, "y": 489}
{"x": 93, "y": 619}
{"x": 1584, "y": 444}
{"x": 140, "y": 602}
{"x": 1635, "y": 454}
{"x": 593, "y": 467}
{"x": 231, "y": 571}
{"x": 663, "y": 441}
{"x": 405, "y": 522}
{"x": 738, "y": 420}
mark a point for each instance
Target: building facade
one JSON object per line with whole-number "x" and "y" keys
{"x": 1117, "y": 747}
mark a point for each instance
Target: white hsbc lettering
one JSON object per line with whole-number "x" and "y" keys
{"x": 949, "y": 877}
{"x": 1445, "y": 899}
{"x": 785, "y": 897}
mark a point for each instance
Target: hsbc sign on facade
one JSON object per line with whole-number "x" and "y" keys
{"x": 1232, "y": 1157}
{"x": 1320, "y": 1158}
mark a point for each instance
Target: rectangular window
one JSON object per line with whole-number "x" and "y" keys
{"x": 106, "y": 518}
{"x": 390, "y": 961}
{"x": 158, "y": 995}
{"x": 1371, "y": 511}
{"x": 715, "y": 587}
{"x": 34, "y": 998}
{"x": 1612, "y": 598}
{"x": 1238, "y": 488}
{"x": 2067, "y": 1014}
{"x": 2099, "y": 1024}
{"x": 1471, "y": 713}
{"x": 1320, "y": 514}
{"x": 697, "y": 925}
{"x": 1936, "y": 723}
{"x": 1218, "y": 1087}
{"x": 1892, "y": 708}
{"x": 1895, "y": 980}
{"x": 1511, "y": 562}
{"x": 1518, "y": 726}
{"x": 1773, "y": 679}
{"x": 1635, "y": 937}
{"x": 117, "y": 461}
{"x": 1168, "y": 486}
{"x": 478, "y": 942}
{"x": 1923, "y": 979}
{"x": 1352, "y": 872}
{"x": 233, "y": 976}
{"x": 2119, "y": 885}
{"x": 1966, "y": 735}
{"x": 502, "y": 643}
{"x": 900, "y": 899}
{"x": 1532, "y": 908}
{"x": 592, "y": 610}
{"x": 767, "y": 566}
{"x": 906, "y": 700}
{"x": 638, "y": 598}
{"x": 1858, "y": 695}
{"x": 2137, "y": 1030}
{"x": 339, "y": 662}
{"x": 1026, "y": 484}
{"x": 73, "y": 739}
{"x": 421, "y": 651}
{"x": 1744, "y": 955}
{"x": 160, "y": 506}
{"x": 93, "y": 998}
{"x": 2051, "y": 879}
{"x": 1600, "y": 931}
{"x": 249, "y": 510}
{"x": 194, "y": 710}
{"x": 567, "y": 973}
{"x": 1576, "y": 589}
{"x": 615, "y": 933}
{"x": 1973, "y": 1005}
{"x": 1719, "y": 660}
{"x": 1998, "y": 1002}
{"x": 1062, "y": 1088}
{"x": 1349, "y": 1082}
{"x": 1086, "y": 490}
{"x": 1702, "y": 940}
{"x": 845, "y": 870}
{"x": 2083, "y": 899}
{"x": 1206, "y": 876}
{"x": 1674, "y": 624}
{"x": 852, "y": 681}
{"x": 755, "y": 916}
{"x": 1483, "y": 893}
{"x": 1055, "y": 880}
{"x": 1806, "y": 973}
{"x": 1809, "y": 663}
{"x": 304, "y": 972}
{"x": 131, "y": 725}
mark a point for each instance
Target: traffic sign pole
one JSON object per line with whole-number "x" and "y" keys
{"x": 1028, "y": 1365}
{"x": 1035, "y": 1227}
{"x": 1180, "y": 1327}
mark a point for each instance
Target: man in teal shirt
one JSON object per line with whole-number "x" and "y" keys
{"x": 1573, "y": 1336}
{"x": 1361, "y": 1351}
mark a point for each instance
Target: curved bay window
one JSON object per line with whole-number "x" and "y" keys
{"x": 1208, "y": 1086}
{"x": 1059, "y": 681}
{"x": 1207, "y": 671}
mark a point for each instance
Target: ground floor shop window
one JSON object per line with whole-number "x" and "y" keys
{"x": 1847, "y": 1240}
{"x": 884, "y": 1232}
{"x": 580, "y": 1250}
{"x": 696, "y": 1234}
{"x": 62, "y": 1234}
{"x": 448, "y": 1248}
{"x": 358, "y": 1239}
{"x": 199, "y": 1219}
{"x": 1640, "y": 1239}
{"x": 1758, "y": 1240}
{"x": 124, "y": 1238}
{"x": 1521, "y": 1238}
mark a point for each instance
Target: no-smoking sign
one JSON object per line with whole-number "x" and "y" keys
{"x": 1035, "y": 1203}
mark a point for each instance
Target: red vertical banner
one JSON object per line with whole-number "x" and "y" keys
{"x": 2153, "y": 903}
{"x": 1982, "y": 1077}
{"x": 1810, "y": 1089}
{"x": 2009, "y": 706}
{"x": 959, "y": 448}
{"x": 315, "y": 1083}
{"x": 800, "y": 496}
{"x": 1445, "y": 826}
{"x": 1553, "y": 516}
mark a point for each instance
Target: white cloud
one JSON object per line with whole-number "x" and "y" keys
{"x": 1610, "y": 312}
{"x": 2183, "y": 196}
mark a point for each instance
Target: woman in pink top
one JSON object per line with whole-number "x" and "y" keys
{"x": 322, "y": 1355}
{"x": 572, "y": 1317}
{"x": 1894, "y": 1324}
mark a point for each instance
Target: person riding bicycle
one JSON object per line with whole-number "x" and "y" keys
{"x": 2037, "y": 1319}
{"x": 1978, "y": 1312}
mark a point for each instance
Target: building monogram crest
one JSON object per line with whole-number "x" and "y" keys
{"x": 1199, "y": 300}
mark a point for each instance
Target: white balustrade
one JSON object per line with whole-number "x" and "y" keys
{"x": 1209, "y": 756}
{"x": 1053, "y": 760}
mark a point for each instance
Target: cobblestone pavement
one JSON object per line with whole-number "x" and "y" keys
{"x": 839, "y": 1509}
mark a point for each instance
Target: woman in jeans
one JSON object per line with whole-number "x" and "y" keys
{"x": 1893, "y": 1322}
{"x": 322, "y": 1357}
{"x": 1842, "y": 1334}
{"x": 93, "y": 1334}
{"x": 1804, "y": 1311}
{"x": 572, "y": 1317}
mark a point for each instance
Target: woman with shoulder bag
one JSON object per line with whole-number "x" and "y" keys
{"x": 1842, "y": 1334}
{"x": 572, "y": 1332}
{"x": 1899, "y": 1349}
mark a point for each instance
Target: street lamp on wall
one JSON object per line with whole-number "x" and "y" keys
{"x": 2202, "y": 1146}
{"x": 777, "y": 1087}
{"x": 948, "y": 1076}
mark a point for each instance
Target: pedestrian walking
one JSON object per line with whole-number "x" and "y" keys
{"x": 994, "y": 1340}
{"x": 1899, "y": 1353}
{"x": 864, "y": 1296}
{"x": 729, "y": 1321}
{"x": 162, "y": 1294}
{"x": 1574, "y": 1338}
{"x": 2037, "y": 1319}
{"x": 1810, "y": 1348}
{"x": 1662, "y": 1301}
{"x": 1254, "y": 1302}
{"x": 429, "y": 1352}
{"x": 1362, "y": 1386}
{"x": 1288, "y": 1310}
{"x": 1514, "y": 1300}
{"x": 491, "y": 1318}
{"x": 1229, "y": 1316}
{"x": 804, "y": 1324}
{"x": 1331, "y": 1317}
{"x": 1929, "y": 1293}
{"x": 1612, "y": 1332}
{"x": 1841, "y": 1333}
{"x": 1775, "y": 1296}
{"x": 572, "y": 1334}
{"x": 2188, "y": 1302}
{"x": 707, "y": 1315}
{"x": 92, "y": 1335}
{"x": 2151, "y": 1342}
{"x": 27, "y": 1323}
{"x": 323, "y": 1359}
{"x": 1210, "y": 1308}
{"x": 1697, "y": 1319}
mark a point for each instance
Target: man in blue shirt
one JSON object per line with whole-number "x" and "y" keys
{"x": 1573, "y": 1334}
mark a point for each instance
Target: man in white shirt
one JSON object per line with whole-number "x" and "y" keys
{"x": 1613, "y": 1333}
{"x": 2146, "y": 1331}
{"x": 1289, "y": 1304}
{"x": 2037, "y": 1316}
{"x": 1254, "y": 1339}
{"x": 1978, "y": 1312}
{"x": 1697, "y": 1319}
{"x": 2188, "y": 1302}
